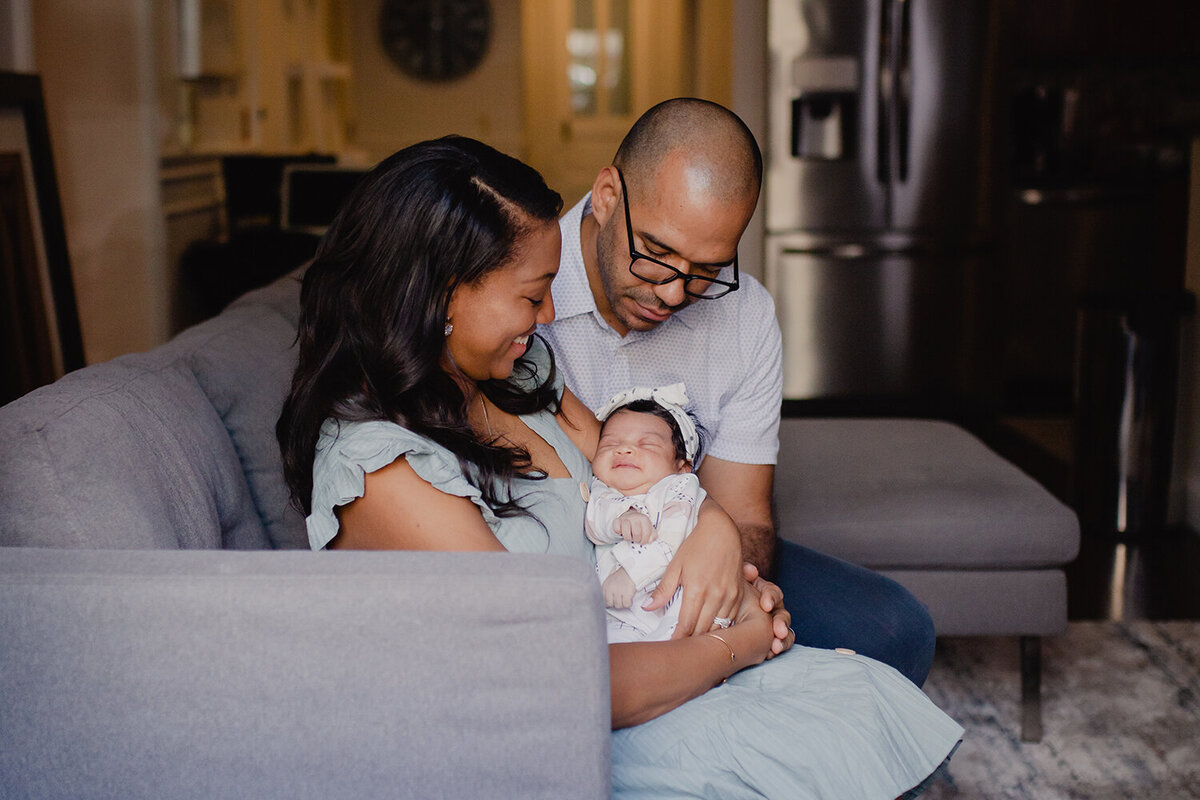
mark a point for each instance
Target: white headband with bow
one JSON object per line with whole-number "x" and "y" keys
{"x": 673, "y": 398}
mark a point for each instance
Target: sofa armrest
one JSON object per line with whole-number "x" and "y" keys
{"x": 266, "y": 674}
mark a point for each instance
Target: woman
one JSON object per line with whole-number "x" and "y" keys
{"x": 425, "y": 414}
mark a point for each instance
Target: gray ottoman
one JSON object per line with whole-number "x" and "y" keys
{"x": 927, "y": 504}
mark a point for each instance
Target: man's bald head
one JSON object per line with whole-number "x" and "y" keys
{"x": 719, "y": 151}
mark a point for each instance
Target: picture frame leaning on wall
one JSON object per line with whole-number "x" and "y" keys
{"x": 39, "y": 321}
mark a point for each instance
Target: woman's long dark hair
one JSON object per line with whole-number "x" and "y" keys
{"x": 373, "y": 304}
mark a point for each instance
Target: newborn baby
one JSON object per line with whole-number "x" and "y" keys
{"x": 643, "y": 502}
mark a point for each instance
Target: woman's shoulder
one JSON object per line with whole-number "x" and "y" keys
{"x": 348, "y": 451}
{"x": 366, "y": 441}
{"x": 362, "y": 447}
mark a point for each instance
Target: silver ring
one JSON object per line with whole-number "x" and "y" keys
{"x": 793, "y": 630}
{"x": 722, "y": 622}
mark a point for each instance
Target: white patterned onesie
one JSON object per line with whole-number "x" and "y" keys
{"x": 672, "y": 505}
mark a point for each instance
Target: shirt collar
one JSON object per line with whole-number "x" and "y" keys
{"x": 570, "y": 290}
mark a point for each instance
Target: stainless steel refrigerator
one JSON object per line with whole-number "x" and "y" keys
{"x": 882, "y": 147}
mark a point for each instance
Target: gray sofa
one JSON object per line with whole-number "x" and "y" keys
{"x": 151, "y": 647}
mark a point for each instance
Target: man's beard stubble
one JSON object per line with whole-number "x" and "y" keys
{"x": 612, "y": 262}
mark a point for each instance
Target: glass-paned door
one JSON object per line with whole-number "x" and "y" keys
{"x": 591, "y": 67}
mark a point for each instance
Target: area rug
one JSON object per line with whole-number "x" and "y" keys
{"x": 1120, "y": 705}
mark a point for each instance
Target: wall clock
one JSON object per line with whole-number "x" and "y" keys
{"x": 435, "y": 40}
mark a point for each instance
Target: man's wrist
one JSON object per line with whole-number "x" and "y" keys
{"x": 758, "y": 548}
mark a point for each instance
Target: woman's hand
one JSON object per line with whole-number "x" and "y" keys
{"x": 708, "y": 567}
{"x": 771, "y": 601}
{"x": 751, "y": 634}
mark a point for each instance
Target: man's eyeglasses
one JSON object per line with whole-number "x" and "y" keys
{"x": 651, "y": 270}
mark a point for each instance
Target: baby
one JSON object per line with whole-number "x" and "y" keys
{"x": 643, "y": 502}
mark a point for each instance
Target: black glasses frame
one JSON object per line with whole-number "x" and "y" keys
{"x": 703, "y": 281}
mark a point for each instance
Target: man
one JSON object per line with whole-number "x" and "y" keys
{"x": 649, "y": 293}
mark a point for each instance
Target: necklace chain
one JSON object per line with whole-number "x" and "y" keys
{"x": 483, "y": 405}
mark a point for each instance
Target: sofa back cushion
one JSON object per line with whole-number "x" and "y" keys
{"x": 243, "y": 360}
{"x": 125, "y": 454}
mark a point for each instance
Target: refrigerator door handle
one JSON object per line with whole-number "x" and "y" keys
{"x": 895, "y": 76}
{"x": 903, "y": 88}
{"x": 883, "y": 100}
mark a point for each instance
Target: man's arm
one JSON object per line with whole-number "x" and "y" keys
{"x": 744, "y": 491}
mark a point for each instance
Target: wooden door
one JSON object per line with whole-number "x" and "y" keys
{"x": 591, "y": 67}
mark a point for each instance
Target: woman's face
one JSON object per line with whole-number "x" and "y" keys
{"x": 494, "y": 317}
{"x": 635, "y": 452}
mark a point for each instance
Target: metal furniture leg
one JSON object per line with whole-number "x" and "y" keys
{"x": 1031, "y": 688}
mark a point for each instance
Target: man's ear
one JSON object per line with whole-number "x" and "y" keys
{"x": 606, "y": 195}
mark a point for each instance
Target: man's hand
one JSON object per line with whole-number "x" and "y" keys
{"x": 618, "y": 589}
{"x": 771, "y": 600}
{"x": 707, "y": 567}
{"x": 635, "y": 527}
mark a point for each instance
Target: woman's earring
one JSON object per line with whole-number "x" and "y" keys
{"x": 449, "y": 328}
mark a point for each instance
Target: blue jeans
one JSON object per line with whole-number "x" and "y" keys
{"x": 837, "y": 604}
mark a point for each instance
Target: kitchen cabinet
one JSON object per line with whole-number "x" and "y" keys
{"x": 269, "y": 76}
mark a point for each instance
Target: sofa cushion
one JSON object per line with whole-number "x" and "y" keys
{"x": 301, "y": 675}
{"x": 243, "y": 360}
{"x": 904, "y": 493}
{"x": 125, "y": 454}
{"x": 971, "y": 602}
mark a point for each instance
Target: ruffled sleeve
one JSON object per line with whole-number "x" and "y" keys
{"x": 533, "y": 369}
{"x": 347, "y": 451}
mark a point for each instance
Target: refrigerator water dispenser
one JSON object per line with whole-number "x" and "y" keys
{"x": 823, "y": 125}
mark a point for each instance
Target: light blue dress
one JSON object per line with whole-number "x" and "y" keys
{"x": 807, "y": 724}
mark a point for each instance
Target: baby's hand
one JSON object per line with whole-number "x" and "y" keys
{"x": 635, "y": 527}
{"x": 618, "y": 589}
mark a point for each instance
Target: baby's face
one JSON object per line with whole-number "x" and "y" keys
{"x": 635, "y": 452}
